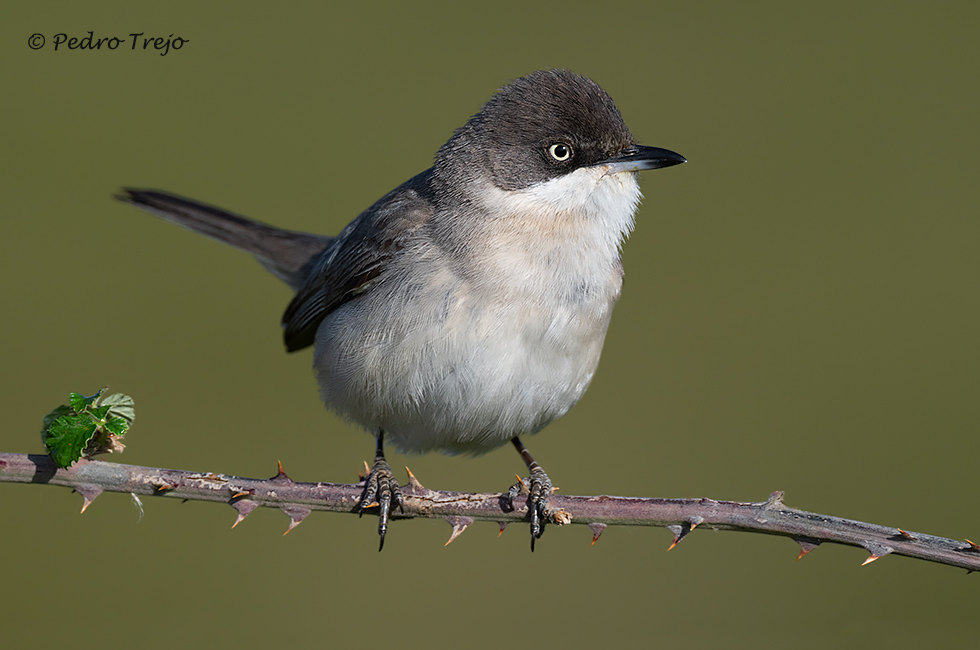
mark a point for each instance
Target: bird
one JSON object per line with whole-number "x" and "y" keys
{"x": 467, "y": 308}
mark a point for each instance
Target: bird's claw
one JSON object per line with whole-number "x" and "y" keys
{"x": 537, "y": 487}
{"x": 381, "y": 490}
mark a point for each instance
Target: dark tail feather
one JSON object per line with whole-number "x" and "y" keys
{"x": 285, "y": 253}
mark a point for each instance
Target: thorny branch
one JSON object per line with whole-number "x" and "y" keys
{"x": 460, "y": 509}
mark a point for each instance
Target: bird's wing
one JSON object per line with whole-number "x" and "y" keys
{"x": 357, "y": 258}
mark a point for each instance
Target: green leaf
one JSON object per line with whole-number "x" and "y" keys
{"x": 122, "y": 407}
{"x": 116, "y": 426}
{"x": 50, "y": 418}
{"x": 79, "y": 402}
{"x": 67, "y": 437}
{"x": 89, "y": 426}
{"x": 99, "y": 413}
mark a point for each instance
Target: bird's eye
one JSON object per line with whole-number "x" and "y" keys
{"x": 560, "y": 151}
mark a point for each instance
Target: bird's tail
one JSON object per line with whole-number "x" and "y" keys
{"x": 287, "y": 254}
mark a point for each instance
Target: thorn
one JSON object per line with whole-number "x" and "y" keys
{"x": 805, "y": 549}
{"x": 807, "y": 544}
{"x": 238, "y": 495}
{"x": 803, "y": 552}
{"x": 367, "y": 470}
{"x": 413, "y": 483}
{"x": 244, "y": 508}
{"x": 89, "y": 493}
{"x": 875, "y": 551}
{"x": 695, "y": 521}
{"x": 554, "y": 489}
{"x": 281, "y": 476}
{"x": 974, "y": 545}
{"x": 502, "y": 524}
{"x": 680, "y": 532}
{"x": 297, "y": 515}
{"x": 163, "y": 487}
{"x": 597, "y": 529}
{"x": 906, "y": 534}
{"x": 459, "y": 524}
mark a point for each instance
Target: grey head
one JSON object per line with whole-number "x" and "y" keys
{"x": 541, "y": 126}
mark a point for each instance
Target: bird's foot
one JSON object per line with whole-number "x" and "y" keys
{"x": 381, "y": 490}
{"x": 537, "y": 487}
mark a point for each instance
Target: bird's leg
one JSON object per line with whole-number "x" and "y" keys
{"x": 381, "y": 489}
{"x": 539, "y": 489}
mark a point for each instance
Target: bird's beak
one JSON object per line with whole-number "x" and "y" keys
{"x": 636, "y": 157}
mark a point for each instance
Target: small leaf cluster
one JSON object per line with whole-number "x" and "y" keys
{"x": 87, "y": 426}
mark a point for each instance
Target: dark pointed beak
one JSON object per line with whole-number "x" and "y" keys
{"x": 637, "y": 157}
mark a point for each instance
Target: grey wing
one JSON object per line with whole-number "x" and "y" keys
{"x": 357, "y": 258}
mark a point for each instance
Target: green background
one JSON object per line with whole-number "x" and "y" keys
{"x": 800, "y": 313}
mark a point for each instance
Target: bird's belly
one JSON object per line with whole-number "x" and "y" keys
{"x": 457, "y": 370}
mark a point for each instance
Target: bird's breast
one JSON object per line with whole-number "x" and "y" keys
{"x": 460, "y": 349}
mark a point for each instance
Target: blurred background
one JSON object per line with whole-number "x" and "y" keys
{"x": 800, "y": 313}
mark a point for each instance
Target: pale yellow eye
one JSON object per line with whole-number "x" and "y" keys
{"x": 560, "y": 151}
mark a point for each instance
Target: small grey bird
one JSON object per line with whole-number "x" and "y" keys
{"x": 468, "y": 306}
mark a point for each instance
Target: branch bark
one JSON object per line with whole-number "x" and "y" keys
{"x": 460, "y": 509}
